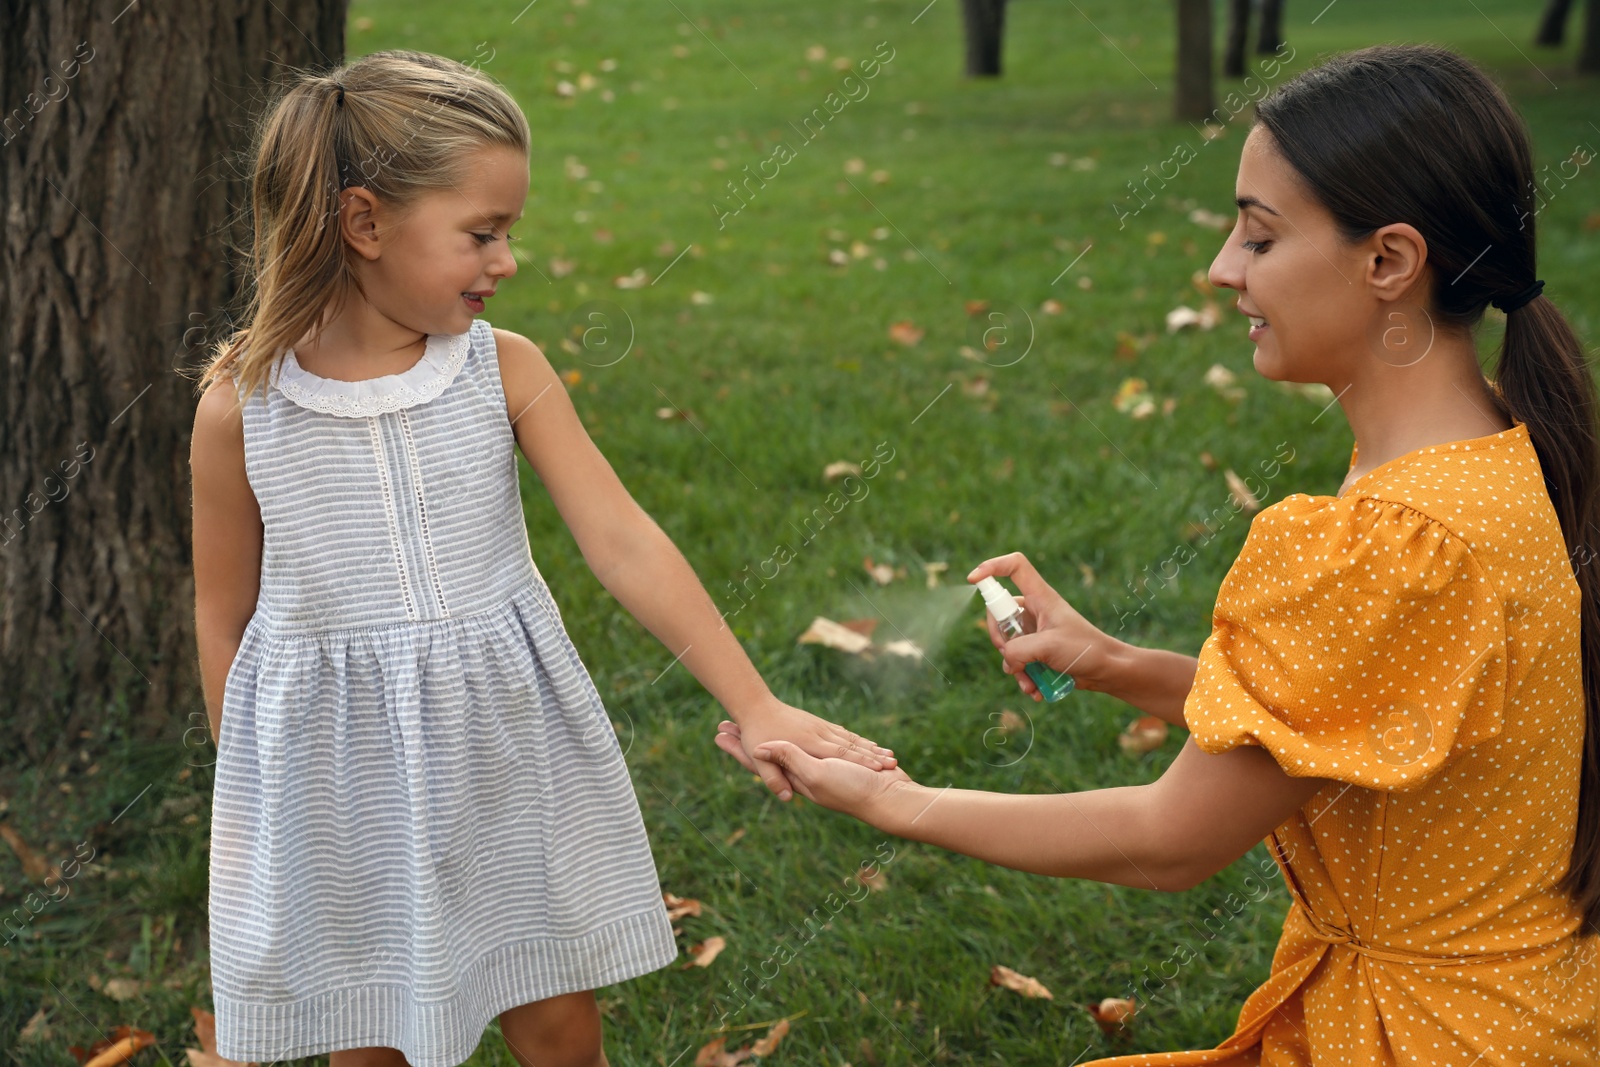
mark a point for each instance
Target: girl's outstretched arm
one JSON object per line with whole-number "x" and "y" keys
{"x": 1202, "y": 814}
{"x": 640, "y": 566}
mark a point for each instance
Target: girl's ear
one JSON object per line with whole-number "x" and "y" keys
{"x": 358, "y": 221}
{"x": 1397, "y": 260}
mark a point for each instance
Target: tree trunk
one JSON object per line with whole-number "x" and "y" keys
{"x": 1589, "y": 53}
{"x": 1194, "y": 96}
{"x": 1238, "y": 34}
{"x": 1270, "y": 37}
{"x": 121, "y": 129}
{"x": 985, "y": 25}
{"x": 1553, "y": 24}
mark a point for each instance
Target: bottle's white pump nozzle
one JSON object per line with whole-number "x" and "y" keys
{"x": 1001, "y": 604}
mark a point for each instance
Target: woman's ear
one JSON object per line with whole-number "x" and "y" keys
{"x": 1397, "y": 260}
{"x": 358, "y": 221}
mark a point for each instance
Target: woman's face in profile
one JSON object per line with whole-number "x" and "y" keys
{"x": 1293, "y": 268}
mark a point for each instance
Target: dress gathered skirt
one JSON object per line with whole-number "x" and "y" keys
{"x": 422, "y": 814}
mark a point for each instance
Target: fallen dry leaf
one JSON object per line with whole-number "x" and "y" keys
{"x": 1208, "y": 461}
{"x": 1018, "y": 983}
{"x": 678, "y": 907}
{"x": 33, "y": 866}
{"x": 769, "y": 1043}
{"x": 1144, "y": 734}
{"x": 864, "y": 627}
{"x": 118, "y": 1047}
{"x": 1051, "y": 307}
{"x": 705, "y": 951}
{"x": 1240, "y": 492}
{"x": 572, "y": 377}
{"x": 1088, "y": 574}
{"x": 840, "y": 469}
{"x": 908, "y": 649}
{"x": 1011, "y": 722}
{"x": 1206, "y": 318}
{"x": 905, "y": 332}
{"x": 873, "y": 878}
{"x": 733, "y": 838}
{"x": 1201, "y": 217}
{"x": 37, "y": 1028}
{"x": 120, "y": 989}
{"x": 713, "y": 1055}
{"x": 1114, "y": 1014}
{"x": 716, "y": 1054}
{"x": 637, "y": 280}
{"x": 668, "y": 414}
{"x": 976, "y": 307}
{"x": 932, "y": 572}
{"x": 881, "y": 573}
{"x": 829, "y": 634}
{"x": 1130, "y": 394}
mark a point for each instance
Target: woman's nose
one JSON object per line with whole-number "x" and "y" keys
{"x": 1227, "y": 268}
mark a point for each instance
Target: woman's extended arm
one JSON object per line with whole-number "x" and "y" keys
{"x": 1202, "y": 814}
{"x": 1155, "y": 681}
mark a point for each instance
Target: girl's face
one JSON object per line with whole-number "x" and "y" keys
{"x": 432, "y": 267}
{"x": 1294, "y": 270}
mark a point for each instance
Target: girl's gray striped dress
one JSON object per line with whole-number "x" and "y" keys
{"x": 422, "y": 815}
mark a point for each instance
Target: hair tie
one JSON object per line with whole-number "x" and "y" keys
{"x": 339, "y": 94}
{"x": 1512, "y": 303}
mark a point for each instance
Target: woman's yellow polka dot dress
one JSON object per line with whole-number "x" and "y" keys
{"x": 1416, "y": 640}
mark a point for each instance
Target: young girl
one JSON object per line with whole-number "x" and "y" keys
{"x": 422, "y": 815}
{"x": 1401, "y": 688}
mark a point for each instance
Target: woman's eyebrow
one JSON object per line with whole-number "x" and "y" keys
{"x": 1250, "y": 201}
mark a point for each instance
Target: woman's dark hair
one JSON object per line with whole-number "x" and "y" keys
{"x": 1417, "y": 134}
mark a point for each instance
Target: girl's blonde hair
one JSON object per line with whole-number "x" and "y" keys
{"x": 396, "y": 123}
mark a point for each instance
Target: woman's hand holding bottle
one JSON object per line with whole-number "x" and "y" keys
{"x": 1055, "y": 635}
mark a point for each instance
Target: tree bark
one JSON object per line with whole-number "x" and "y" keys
{"x": 985, "y": 29}
{"x": 1238, "y": 33}
{"x": 1269, "y": 38}
{"x": 121, "y": 135}
{"x": 1194, "y": 98}
{"x": 1589, "y": 53}
{"x": 1553, "y": 24}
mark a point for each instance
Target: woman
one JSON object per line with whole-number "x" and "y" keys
{"x": 1400, "y": 686}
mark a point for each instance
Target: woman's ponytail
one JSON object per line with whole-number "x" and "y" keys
{"x": 1544, "y": 380}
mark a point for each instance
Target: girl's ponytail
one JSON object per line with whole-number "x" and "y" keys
{"x": 1416, "y": 133}
{"x": 1544, "y": 380}
{"x": 398, "y": 124}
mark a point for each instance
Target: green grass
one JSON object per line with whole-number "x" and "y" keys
{"x": 790, "y": 367}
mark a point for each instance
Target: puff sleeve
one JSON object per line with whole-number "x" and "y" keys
{"x": 1354, "y": 639}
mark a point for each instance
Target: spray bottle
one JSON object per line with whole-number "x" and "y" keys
{"x": 1007, "y": 614}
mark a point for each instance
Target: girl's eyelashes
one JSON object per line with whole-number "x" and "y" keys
{"x": 486, "y": 238}
{"x": 1255, "y": 246}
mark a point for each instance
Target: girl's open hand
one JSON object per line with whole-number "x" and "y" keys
{"x": 815, "y": 736}
{"x": 834, "y": 783}
{"x": 1057, "y": 635}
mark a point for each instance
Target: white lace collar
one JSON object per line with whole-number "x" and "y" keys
{"x": 442, "y": 357}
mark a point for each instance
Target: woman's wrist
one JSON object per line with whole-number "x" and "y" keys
{"x": 1113, "y": 662}
{"x": 898, "y": 808}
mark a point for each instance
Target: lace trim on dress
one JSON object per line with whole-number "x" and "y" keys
{"x": 442, "y": 357}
